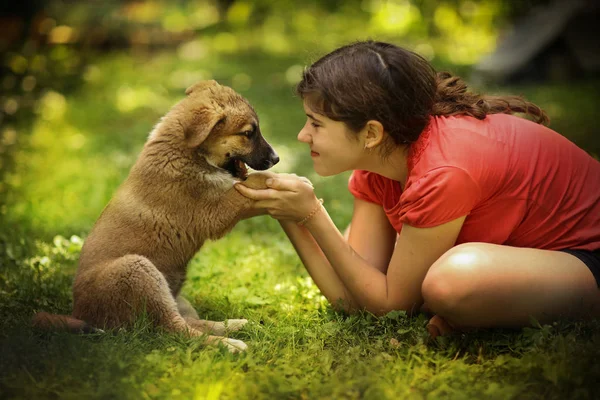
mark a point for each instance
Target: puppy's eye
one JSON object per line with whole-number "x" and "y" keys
{"x": 248, "y": 134}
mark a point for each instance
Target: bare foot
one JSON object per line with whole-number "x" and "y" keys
{"x": 438, "y": 326}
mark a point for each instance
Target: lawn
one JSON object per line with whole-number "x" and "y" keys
{"x": 71, "y": 157}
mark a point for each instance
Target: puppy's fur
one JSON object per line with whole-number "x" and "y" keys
{"x": 178, "y": 194}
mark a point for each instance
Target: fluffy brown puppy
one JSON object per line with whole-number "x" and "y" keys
{"x": 178, "y": 194}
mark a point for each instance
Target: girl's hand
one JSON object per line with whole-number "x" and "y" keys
{"x": 288, "y": 197}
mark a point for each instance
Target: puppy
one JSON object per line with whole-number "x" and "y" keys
{"x": 178, "y": 194}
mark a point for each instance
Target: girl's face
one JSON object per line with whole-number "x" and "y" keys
{"x": 332, "y": 147}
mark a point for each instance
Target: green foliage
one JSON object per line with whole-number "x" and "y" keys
{"x": 456, "y": 30}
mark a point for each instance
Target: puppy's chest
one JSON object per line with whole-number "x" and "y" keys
{"x": 176, "y": 231}
{"x": 212, "y": 215}
{"x": 182, "y": 221}
{"x": 185, "y": 229}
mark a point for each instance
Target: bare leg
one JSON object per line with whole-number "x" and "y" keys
{"x": 218, "y": 328}
{"x": 486, "y": 285}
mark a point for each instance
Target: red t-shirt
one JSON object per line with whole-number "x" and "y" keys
{"x": 518, "y": 183}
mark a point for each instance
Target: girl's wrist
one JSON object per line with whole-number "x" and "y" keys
{"x": 317, "y": 209}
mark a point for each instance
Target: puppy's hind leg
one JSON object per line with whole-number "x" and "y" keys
{"x": 216, "y": 328}
{"x": 129, "y": 286}
{"x": 153, "y": 293}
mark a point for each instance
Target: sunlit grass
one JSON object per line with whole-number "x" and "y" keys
{"x": 298, "y": 346}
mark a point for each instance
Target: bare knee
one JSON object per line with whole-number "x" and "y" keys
{"x": 452, "y": 280}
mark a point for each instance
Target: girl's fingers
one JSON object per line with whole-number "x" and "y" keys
{"x": 267, "y": 205}
{"x": 280, "y": 184}
{"x": 307, "y": 181}
{"x": 254, "y": 194}
{"x": 287, "y": 184}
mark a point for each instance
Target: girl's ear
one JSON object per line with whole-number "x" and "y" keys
{"x": 373, "y": 134}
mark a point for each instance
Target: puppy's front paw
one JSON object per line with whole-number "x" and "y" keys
{"x": 233, "y": 325}
{"x": 256, "y": 180}
{"x": 234, "y": 345}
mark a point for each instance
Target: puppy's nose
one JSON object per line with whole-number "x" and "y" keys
{"x": 274, "y": 158}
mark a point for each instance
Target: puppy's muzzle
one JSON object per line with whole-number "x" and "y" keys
{"x": 271, "y": 160}
{"x": 263, "y": 160}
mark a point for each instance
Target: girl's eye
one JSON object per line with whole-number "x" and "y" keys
{"x": 315, "y": 125}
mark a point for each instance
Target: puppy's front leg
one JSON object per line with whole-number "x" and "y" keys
{"x": 255, "y": 180}
{"x": 219, "y": 328}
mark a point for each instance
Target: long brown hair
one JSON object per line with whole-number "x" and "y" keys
{"x": 380, "y": 81}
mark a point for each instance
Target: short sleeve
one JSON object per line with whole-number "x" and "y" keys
{"x": 367, "y": 186}
{"x": 439, "y": 196}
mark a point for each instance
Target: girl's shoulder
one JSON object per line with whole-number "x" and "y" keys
{"x": 470, "y": 143}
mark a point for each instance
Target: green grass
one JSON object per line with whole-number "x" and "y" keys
{"x": 73, "y": 155}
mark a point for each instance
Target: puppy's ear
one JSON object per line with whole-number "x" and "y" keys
{"x": 199, "y": 86}
{"x": 201, "y": 126}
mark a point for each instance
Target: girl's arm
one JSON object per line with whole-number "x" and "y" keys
{"x": 319, "y": 267}
{"x": 362, "y": 277}
{"x": 400, "y": 289}
{"x": 370, "y": 234}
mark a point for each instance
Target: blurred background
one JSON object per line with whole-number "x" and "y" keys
{"x": 83, "y": 82}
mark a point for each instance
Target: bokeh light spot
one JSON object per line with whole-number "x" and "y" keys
{"x": 28, "y": 83}
{"x": 192, "y": 51}
{"x": 293, "y": 74}
{"x": 62, "y": 34}
{"x": 241, "y": 82}
{"x": 9, "y": 136}
{"x": 11, "y": 106}
{"x": 225, "y": 42}
{"x": 52, "y": 106}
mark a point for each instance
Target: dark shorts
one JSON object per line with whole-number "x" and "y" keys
{"x": 589, "y": 258}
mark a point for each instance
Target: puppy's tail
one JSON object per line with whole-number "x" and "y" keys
{"x": 47, "y": 321}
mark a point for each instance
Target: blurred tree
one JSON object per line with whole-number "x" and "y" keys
{"x": 18, "y": 19}
{"x": 223, "y": 7}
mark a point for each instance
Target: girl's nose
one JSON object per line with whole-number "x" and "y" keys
{"x": 303, "y": 136}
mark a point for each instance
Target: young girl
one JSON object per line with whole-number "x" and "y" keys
{"x": 481, "y": 217}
